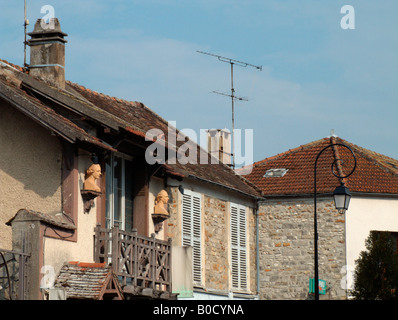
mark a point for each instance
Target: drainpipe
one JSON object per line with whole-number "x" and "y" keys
{"x": 257, "y": 251}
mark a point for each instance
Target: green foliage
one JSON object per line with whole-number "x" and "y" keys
{"x": 376, "y": 271}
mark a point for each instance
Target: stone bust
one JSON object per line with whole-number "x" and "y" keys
{"x": 161, "y": 203}
{"x": 92, "y": 174}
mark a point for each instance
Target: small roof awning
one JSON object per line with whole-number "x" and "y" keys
{"x": 94, "y": 281}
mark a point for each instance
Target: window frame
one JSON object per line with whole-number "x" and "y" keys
{"x": 110, "y": 194}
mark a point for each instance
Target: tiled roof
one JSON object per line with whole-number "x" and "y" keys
{"x": 144, "y": 119}
{"x": 11, "y": 81}
{"x": 58, "y": 220}
{"x": 374, "y": 173}
{"x": 83, "y": 280}
{"x": 126, "y": 118}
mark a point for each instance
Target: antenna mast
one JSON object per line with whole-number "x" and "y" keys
{"x": 26, "y": 23}
{"x": 232, "y": 95}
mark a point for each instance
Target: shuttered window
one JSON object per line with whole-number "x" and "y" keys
{"x": 191, "y": 230}
{"x": 238, "y": 247}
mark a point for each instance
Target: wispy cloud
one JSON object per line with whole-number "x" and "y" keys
{"x": 315, "y": 77}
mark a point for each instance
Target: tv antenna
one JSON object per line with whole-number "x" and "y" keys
{"x": 25, "y": 24}
{"x": 232, "y": 62}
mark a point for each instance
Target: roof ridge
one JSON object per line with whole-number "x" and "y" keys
{"x": 374, "y": 156}
{"x": 336, "y": 156}
{"x": 128, "y": 102}
{"x": 14, "y": 66}
{"x": 100, "y": 93}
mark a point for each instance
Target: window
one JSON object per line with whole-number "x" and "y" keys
{"x": 119, "y": 192}
{"x": 275, "y": 172}
{"x": 238, "y": 247}
{"x": 191, "y": 230}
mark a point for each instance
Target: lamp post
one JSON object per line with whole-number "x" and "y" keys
{"x": 341, "y": 197}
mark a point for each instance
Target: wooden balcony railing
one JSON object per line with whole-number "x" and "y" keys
{"x": 142, "y": 264}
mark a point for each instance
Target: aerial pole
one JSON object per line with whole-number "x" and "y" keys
{"x": 26, "y": 23}
{"x": 232, "y": 62}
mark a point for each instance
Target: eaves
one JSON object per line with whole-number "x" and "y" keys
{"x": 35, "y": 110}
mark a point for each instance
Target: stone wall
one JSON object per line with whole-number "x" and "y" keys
{"x": 215, "y": 240}
{"x": 172, "y": 224}
{"x": 287, "y": 248}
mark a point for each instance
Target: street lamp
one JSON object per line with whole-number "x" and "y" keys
{"x": 341, "y": 197}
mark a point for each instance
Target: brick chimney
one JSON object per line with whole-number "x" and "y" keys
{"x": 47, "y": 52}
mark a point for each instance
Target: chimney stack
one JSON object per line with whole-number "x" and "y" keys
{"x": 47, "y": 52}
{"x": 219, "y": 144}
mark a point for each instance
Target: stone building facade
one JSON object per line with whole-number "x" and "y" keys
{"x": 216, "y": 242}
{"x": 287, "y": 248}
{"x": 286, "y": 216}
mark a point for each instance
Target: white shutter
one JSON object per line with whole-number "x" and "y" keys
{"x": 186, "y": 220}
{"x": 238, "y": 247}
{"x": 234, "y": 247}
{"x": 191, "y": 230}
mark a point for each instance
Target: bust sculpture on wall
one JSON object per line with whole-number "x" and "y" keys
{"x": 161, "y": 212}
{"x": 93, "y": 173}
{"x": 90, "y": 188}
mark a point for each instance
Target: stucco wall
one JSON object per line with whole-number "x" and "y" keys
{"x": 58, "y": 251}
{"x": 287, "y": 248}
{"x": 364, "y": 215}
{"x": 30, "y": 169}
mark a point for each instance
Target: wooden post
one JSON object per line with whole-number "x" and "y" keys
{"x": 115, "y": 248}
{"x": 153, "y": 252}
{"x": 135, "y": 257}
{"x": 97, "y": 243}
{"x": 169, "y": 264}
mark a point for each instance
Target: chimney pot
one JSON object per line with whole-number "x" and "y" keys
{"x": 47, "y": 52}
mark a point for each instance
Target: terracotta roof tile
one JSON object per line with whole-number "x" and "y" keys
{"x": 83, "y": 280}
{"x": 374, "y": 173}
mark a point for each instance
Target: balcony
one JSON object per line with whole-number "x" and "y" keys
{"x": 142, "y": 264}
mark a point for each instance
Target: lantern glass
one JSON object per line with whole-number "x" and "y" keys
{"x": 342, "y": 197}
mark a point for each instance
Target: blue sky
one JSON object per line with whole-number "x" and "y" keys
{"x": 316, "y": 76}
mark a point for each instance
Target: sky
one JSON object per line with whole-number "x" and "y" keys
{"x": 316, "y": 75}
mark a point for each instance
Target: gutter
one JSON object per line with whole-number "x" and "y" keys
{"x": 226, "y": 187}
{"x": 257, "y": 251}
{"x": 374, "y": 195}
{"x": 328, "y": 194}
